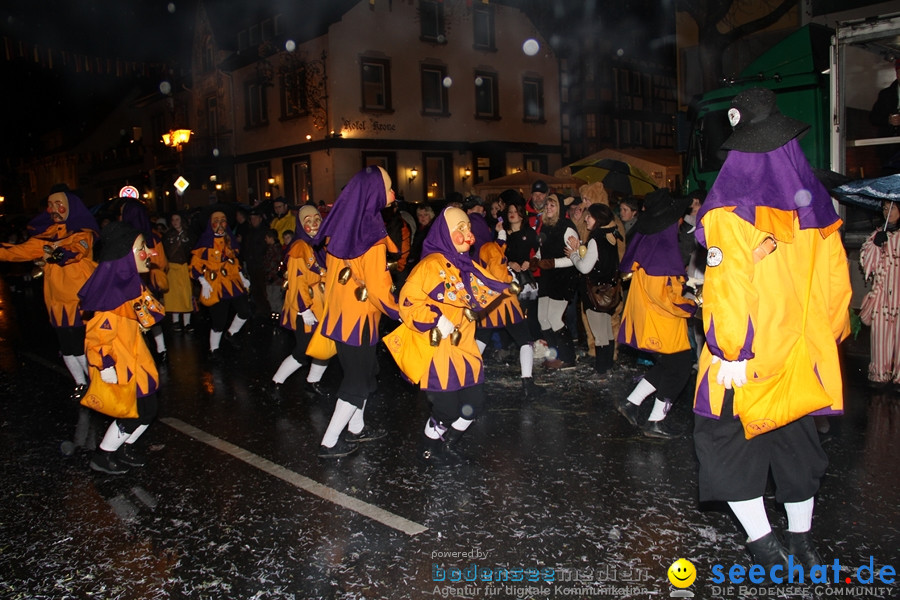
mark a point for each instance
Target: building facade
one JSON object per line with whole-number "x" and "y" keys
{"x": 442, "y": 94}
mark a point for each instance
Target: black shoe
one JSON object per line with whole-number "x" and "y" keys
{"x": 437, "y": 453}
{"x": 530, "y": 389}
{"x": 176, "y": 327}
{"x": 800, "y": 546}
{"x": 105, "y": 462}
{"x": 339, "y": 450}
{"x": 128, "y": 455}
{"x": 768, "y": 552}
{"x": 657, "y": 430}
{"x": 162, "y": 358}
{"x": 215, "y": 355}
{"x": 189, "y": 328}
{"x": 629, "y": 410}
{"x": 231, "y": 341}
{"x": 315, "y": 390}
{"x": 368, "y": 434}
{"x": 79, "y": 392}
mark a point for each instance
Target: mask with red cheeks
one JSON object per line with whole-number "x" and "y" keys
{"x": 460, "y": 229}
{"x": 142, "y": 254}
{"x": 310, "y": 220}
{"x": 218, "y": 222}
{"x": 58, "y": 207}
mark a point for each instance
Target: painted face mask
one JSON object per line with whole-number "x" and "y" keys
{"x": 142, "y": 254}
{"x": 460, "y": 229}
{"x": 311, "y": 224}
{"x": 58, "y": 207}
{"x": 218, "y": 221}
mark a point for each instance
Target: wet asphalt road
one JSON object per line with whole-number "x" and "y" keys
{"x": 562, "y": 496}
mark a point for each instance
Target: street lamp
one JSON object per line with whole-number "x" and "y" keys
{"x": 176, "y": 138}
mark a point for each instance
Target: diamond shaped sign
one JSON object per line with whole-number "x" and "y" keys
{"x": 181, "y": 184}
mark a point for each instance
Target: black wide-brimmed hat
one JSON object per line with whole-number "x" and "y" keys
{"x": 661, "y": 210}
{"x": 758, "y": 125}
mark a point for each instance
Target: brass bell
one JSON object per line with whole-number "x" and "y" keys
{"x": 224, "y": 272}
{"x": 470, "y": 314}
{"x": 322, "y": 287}
{"x": 284, "y": 285}
{"x": 310, "y": 291}
{"x": 455, "y": 337}
{"x": 582, "y": 250}
{"x": 211, "y": 275}
{"x": 434, "y": 337}
{"x": 627, "y": 276}
{"x": 344, "y": 275}
{"x": 515, "y": 288}
{"x": 394, "y": 289}
{"x": 362, "y": 294}
{"x": 392, "y": 265}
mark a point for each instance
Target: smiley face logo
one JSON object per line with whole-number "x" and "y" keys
{"x": 682, "y": 573}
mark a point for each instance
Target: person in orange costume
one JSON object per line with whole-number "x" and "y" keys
{"x": 438, "y": 302}
{"x": 304, "y": 302}
{"x": 214, "y": 263}
{"x": 656, "y": 312}
{"x": 62, "y": 241}
{"x": 507, "y": 313}
{"x": 120, "y": 310}
{"x": 358, "y": 291}
{"x": 775, "y": 306}
{"x": 134, "y": 213}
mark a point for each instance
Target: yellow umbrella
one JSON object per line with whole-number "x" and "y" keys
{"x": 616, "y": 175}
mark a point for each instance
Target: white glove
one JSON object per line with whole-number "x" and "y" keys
{"x": 205, "y": 288}
{"x": 108, "y": 375}
{"x": 731, "y": 372}
{"x": 445, "y": 326}
{"x": 245, "y": 281}
{"x": 308, "y": 317}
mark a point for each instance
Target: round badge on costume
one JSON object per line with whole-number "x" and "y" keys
{"x": 734, "y": 116}
{"x": 714, "y": 257}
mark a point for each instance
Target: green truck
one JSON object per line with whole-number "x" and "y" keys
{"x": 826, "y": 77}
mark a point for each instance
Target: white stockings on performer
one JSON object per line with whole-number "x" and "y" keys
{"x": 77, "y": 366}
{"x": 526, "y": 359}
{"x": 236, "y": 325}
{"x": 287, "y": 368}
{"x": 343, "y": 412}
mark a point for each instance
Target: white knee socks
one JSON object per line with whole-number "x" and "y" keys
{"x": 316, "y": 370}
{"x": 799, "y": 515}
{"x": 113, "y": 438}
{"x": 526, "y": 359}
{"x": 74, "y": 366}
{"x": 752, "y": 516}
{"x": 286, "y": 369}
{"x": 643, "y": 389}
{"x": 236, "y": 325}
{"x": 215, "y": 338}
{"x": 343, "y": 412}
{"x": 357, "y": 422}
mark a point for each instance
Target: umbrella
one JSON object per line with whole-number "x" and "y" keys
{"x": 869, "y": 193}
{"x": 522, "y": 181}
{"x": 616, "y": 175}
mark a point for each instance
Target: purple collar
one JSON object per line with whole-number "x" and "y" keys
{"x": 781, "y": 179}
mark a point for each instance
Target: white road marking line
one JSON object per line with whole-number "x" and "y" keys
{"x": 304, "y": 483}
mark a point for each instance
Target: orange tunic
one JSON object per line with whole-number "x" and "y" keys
{"x": 61, "y": 280}
{"x": 222, "y": 270}
{"x": 114, "y": 339}
{"x": 655, "y": 315}
{"x": 435, "y": 288}
{"x": 752, "y": 311}
{"x": 345, "y": 316}
{"x": 507, "y": 309}
{"x": 305, "y": 285}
